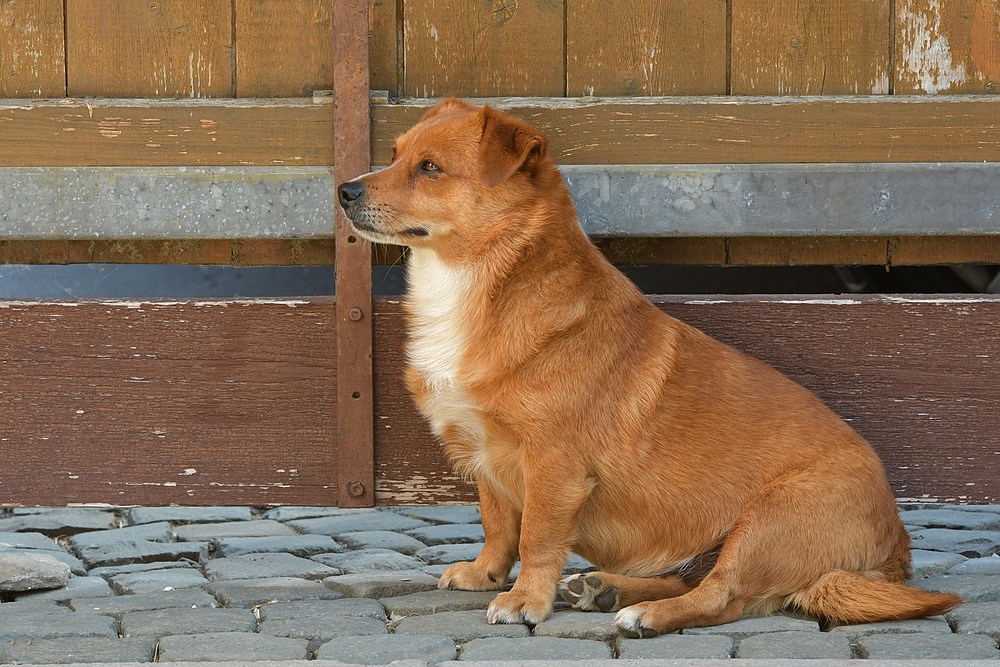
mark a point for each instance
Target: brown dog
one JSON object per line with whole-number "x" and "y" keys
{"x": 704, "y": 484}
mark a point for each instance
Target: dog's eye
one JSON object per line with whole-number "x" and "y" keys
{"x": 429, "y": 167}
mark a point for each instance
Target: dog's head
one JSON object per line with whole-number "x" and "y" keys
{"x": 454, "y": 178}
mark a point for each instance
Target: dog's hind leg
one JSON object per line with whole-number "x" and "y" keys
{"x": 780, "y": 545}
{"x": 603, "y": 591}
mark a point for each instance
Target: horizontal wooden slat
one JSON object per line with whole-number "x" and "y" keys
{"x": 750, "y": 130}
{"x": 709, "y": 251}
{"x": 710, "y": 130}
{"x": 222, "y": 252}
{"x": 188, "y": 402}
{"x": 74, "y": 133}
{"x": 120, "y": 401}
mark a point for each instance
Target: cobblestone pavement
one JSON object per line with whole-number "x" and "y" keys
{"x": 173, "y": 584}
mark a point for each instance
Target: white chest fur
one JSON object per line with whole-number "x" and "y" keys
{"x": 438, "y": 296}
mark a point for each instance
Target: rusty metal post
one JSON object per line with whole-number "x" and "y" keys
{"x": 352, "y": 157}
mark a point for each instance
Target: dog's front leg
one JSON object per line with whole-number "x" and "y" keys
{"x": 553, "y": 498}
{"x": 502, "y": 526}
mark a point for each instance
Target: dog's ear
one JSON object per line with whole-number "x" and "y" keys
{"x": 506, "y": 146}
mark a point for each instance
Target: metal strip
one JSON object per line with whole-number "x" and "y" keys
{"x": 352, "y": 157}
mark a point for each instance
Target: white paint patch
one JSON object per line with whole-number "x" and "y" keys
{"x": 927, "y": 53}
{"x": 188, "y": 471}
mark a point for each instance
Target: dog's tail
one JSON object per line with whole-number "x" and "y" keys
{"x": 848, "y": 597}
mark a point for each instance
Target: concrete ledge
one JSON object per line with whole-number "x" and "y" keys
{"x": 89, "y": 203}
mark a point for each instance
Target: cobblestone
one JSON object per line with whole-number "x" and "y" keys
{"x": 361, "y": 585}
{"x": 65, "y": 651}
{"x": 677, "y": 647}
{"x": 30, "y": 571}
{"x": 462, "y": 626}
{"x": 535, "y": 648}
{"x": 173, "y": 621}
{"x": 383, "y": 650}
{"x": 257, "y": 566}
{"x": 381, "y": 539}
{"x": 229, "y": 646}
{"x": 432, "y": 602}
{"x": 795, "y": 645}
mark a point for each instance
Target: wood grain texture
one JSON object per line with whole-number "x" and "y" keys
{"x": 175, "y": 48}
{"x": 651, "y": 47}
{"x": 745, "y": 130}
{"x": 32, "y": 58}
{"x": 383, "y": 45}
{"x": 947, "y": 47}
{"x": 283, "y": 49}
{"x": 710, "y": 130}
{"x": 166, "y": 133}
{"x": 483, "y": 48}
{"x": 810, "y": 47}
{"x": 115, "y": 402}
{"x": 160, "y": 403}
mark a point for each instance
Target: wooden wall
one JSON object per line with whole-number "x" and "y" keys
{"x": 432, "y": 48}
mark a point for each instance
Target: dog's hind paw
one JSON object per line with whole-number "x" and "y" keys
{"x": 589, "y": 593}
{"x": 629, "y": 622}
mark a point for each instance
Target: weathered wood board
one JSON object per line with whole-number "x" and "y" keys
{"x": 651, "y": 47}
{"x": 121, "y": 48}
{"x": 283, "y": 49}
{"x": 32, "y": 58}
{"x": 480, "y": 49}
{"x": 700, "y": 130}
{"x": 748, "y": 130}
{"x": 230, "y": 402}
{"x": 947, "y": 47}
{"x": 810, "y": 47}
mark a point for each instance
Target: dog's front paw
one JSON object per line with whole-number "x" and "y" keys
{"x": 471, "y": 576}
{"x": 518, "y": 607}
{"x": 588, "y": 592}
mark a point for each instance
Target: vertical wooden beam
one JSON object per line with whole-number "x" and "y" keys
{"x": 352, "y": 157}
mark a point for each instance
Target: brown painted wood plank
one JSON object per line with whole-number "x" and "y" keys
{"x": 714, "y": 251}
{"x": 166, "y": 133}
{"x": 745, "y": 130}
{"x": 283, "y": 49}
{"x": 651, "y": 47}
{"x": 160, "y": 403}
{"x": 499, "y": 47}
{"x": 810, "y": 47}
{"x": 122, "y": 48}
{"x": 947, "y": 47}
{"x": 117, "y": 402}
{"x": 222, "y": 252}
{"x": 710, "y": 130}
{"x": 32, "y": 58}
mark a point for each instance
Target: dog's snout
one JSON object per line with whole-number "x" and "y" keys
{"x": 349, "y": 192}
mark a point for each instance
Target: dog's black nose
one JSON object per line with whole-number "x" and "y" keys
{"x": 349, "y": 192}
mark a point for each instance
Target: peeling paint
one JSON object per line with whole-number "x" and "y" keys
{"x": 926, "y": 52}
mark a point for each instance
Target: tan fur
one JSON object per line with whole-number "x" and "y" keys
{"x": 592, "y": 422}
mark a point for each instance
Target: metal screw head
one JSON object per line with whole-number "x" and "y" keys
{"x": 356, "y": 489}
{"x": 354, "y": 314}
